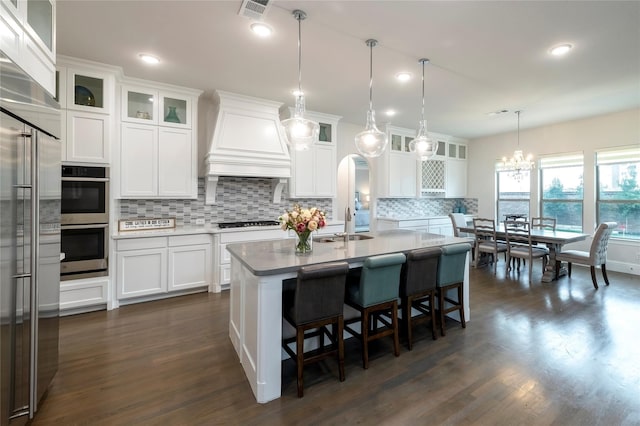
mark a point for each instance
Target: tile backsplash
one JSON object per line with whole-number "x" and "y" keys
{"x": 243, "y": 199}
{"x": 237, "y": 199}
{"x": 423, "y": 207}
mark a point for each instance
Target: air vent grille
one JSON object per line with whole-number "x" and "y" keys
{"x": 254, "y": 9}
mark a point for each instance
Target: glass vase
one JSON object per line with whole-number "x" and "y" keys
{"x": 172, "y": 116}
{"x": 304, "y": 243}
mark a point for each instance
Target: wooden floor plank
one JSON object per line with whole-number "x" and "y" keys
{"x": 556, "y": 353}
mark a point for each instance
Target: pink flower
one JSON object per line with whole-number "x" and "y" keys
{"x": 301, "y": 227}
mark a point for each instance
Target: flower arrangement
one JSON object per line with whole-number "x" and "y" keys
{"x": 303, "y": 222}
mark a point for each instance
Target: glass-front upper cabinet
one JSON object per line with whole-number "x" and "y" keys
{"x": 89, "y": 91}
{"x": 41, "y": 21}
{"x": 139, "y": 105}
{"x": 145, "y": 105}
{"x": 175, "y": 110}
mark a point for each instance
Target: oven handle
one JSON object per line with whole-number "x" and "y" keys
{"x": 81, "y": 179}
{"x": 97, "y": 225}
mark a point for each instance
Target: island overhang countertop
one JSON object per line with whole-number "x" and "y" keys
{"x": 278, "y": 256}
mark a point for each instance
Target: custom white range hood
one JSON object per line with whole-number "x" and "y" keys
{"x": 248, "y": 140}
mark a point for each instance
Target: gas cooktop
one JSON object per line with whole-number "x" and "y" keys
{"x": 224, "y": 225}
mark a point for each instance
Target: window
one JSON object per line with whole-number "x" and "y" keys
{"x": 618, "y": 190}
{"x": 561, "y": 179}
{"x": 514, "y": 193}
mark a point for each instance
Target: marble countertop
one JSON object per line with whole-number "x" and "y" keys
{"x": 193, "y": 230}
{"x": 277, "y": 256}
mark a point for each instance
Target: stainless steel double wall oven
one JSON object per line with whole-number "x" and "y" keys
{"x": 84, "y": 222}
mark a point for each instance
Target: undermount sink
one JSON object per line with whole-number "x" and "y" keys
{"x": 338, "y": 238}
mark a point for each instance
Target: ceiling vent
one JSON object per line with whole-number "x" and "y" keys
{"x": 254, "y": 9}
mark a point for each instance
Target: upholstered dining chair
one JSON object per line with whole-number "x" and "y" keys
{"x": 453, "y": 261}
{"x": 316, "y": 301}
{"x": 418, "y": 289}
{"x": 596, "y": 256}
{"x": 373, "y": 292}
{"x": 458, "y": 221}
{"x": 486, "y": 241}
{"x": 519, "y": 245}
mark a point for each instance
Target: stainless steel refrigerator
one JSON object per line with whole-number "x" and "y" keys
{"x": 29, "y": 242}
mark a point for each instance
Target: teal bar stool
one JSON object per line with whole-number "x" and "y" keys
{"x": 418, "y": 289}
{"x": 451, "y": 276}
{"x": 374, "y": 293}
{"x": 311, "y": 303}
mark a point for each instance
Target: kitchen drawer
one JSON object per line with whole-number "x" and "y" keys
{"x": 83, "y": 293}
{"x": 141, "y": 243}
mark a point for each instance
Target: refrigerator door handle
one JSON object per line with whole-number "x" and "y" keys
{"x": 35, "y": 260}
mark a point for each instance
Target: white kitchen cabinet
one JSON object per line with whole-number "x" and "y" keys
{"x": 28, "y": 34}
{"x": 86, "y": 92}
{"x": 313, "y": 172}
{"x": 446, "y": 173}
{"x": 161, "y": 265}
{"x": 222, "y": 258}
{"x": 398, "y": 167}
{"x": 456, "y": 170}
{"x": 88, "y": 137}
{"x": 190, "y": 264}
{"x": 440, "y": 225}
{"x": 158, "y": 146}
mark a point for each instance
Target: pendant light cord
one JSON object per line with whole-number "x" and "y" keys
{"x": 299, "y": 18}
{"x": 371, "y": 43}
{"x": 518, "y": 113}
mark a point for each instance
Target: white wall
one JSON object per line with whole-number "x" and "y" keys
{"x": 586, "y": 136}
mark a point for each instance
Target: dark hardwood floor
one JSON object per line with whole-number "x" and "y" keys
{"x": 556, "y": 353}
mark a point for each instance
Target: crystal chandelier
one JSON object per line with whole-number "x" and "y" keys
{"x": 422, "y": 145}
{"x": 301, "y": 133}
{"x": 371, "y": 142}
{"x": 518, "y": 163}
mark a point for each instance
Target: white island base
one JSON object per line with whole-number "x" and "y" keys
{"x": 257, "y": 272}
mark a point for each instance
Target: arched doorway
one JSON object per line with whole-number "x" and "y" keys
{"x": 354, "y": 192}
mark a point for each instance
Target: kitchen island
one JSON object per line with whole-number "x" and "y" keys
{"x": 257, "y": 272}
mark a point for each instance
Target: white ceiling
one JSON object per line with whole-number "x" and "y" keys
{"x": 485, "y": 55}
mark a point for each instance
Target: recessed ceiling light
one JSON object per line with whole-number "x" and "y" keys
{"x": 390, "y": 112}
{"x": 149, "y": 59}
{"x": 561, "y": 49}
{"x": 261, "y": 29}
{"x": 403, "y": 76}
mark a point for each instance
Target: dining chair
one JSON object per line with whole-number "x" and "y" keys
{"x": 373, "y": 292}
{"x": 459, "y": 221}
{"x": 543, "y": 223}
{"x": 596, "y": 256}
{"x": 486, "y": 241}
{"x": 314, "y": 301}
{"x": 418, "y": 280}
{"x": 451, "y": 271}
{"x": 519, "y": 245}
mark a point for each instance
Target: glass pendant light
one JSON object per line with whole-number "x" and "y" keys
{"x": 422, "y": 145}
{"x": 518, "y": 163}
{"x": 371, "y": 142}
{"x": 301, "y": 133}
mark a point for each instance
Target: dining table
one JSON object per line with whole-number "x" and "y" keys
{"x": 554, "y": 240}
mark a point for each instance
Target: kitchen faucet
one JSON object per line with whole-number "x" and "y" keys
{"x": 347, "y": 219}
